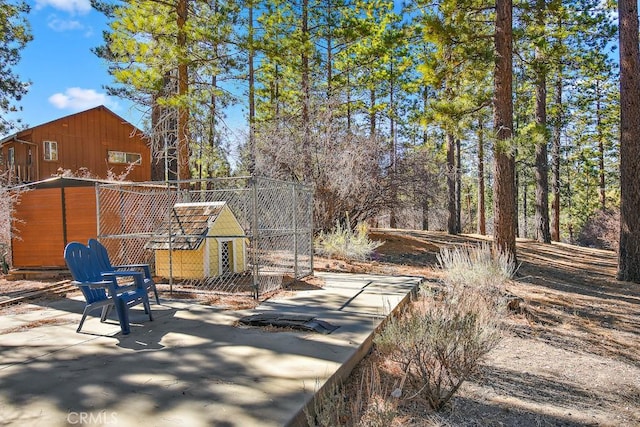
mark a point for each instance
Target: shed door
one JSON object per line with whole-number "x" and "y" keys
{"x": 38, "y": 240}
{"x": 46, "y": 220}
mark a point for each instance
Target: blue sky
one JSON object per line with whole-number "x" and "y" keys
{"x": 66, "y": 77}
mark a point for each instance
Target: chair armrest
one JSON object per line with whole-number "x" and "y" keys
{"x": 93, "y": 285}
{"x": 121, "y": 273}
{"x": 138, "y": 277}
{"x": 144, "y": 267}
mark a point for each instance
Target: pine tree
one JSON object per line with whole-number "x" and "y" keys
{"x": 453, "y": 62}
{"x": 629, "y": 250}
{"x": 14, "y": 36}
{"x": 168, "y": 56}
{"x": 504, "y": 160}
{"x": 542, "y": 162}
{"x": 482, "y": 222}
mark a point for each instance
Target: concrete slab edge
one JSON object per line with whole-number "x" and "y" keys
{"x": 300, "y": 418}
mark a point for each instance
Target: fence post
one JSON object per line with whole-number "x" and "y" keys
{"x": 310, "y": 218}
{"x": 170, "y": 239}
{"x": 254, "y": 235}
{"x": 97, "y": 187}
{"x": 295, "y": 230}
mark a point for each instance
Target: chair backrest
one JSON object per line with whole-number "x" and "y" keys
{"x": 101, "y": 254}
{"x": 84, "y": 268}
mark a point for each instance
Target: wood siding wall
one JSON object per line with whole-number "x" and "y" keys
{"x": 83, "y": 140}
{"x": 49, "y": 219}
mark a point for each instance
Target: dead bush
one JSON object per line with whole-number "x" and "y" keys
{"x": 372, "y": 406}
{"x": 601, "y": 231}
{"x": 440, "y": 340}
{"x": 366, "y": 405}
{"x": 345, "y": 243}
{"x": 329, "y": 408}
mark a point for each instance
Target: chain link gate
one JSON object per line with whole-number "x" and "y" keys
{"x": 231, "y": 235}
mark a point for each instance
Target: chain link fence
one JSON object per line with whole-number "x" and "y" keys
{"x": 231, "y": 235}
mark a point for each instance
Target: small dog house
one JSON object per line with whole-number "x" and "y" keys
{"x": 201, "y": 240}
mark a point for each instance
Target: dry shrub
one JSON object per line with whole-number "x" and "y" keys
{"x": 380, "y": 412}
{"x": 440, "y": 340}
{"x": 345, "y": 243}
{"x": 476, "y": 266}
{"x": 437, "y": 343}
{"x": 602, "y": 230}
{"x": 344, "y": 166}
{"x": 329, "y": 408}
{"x": 9, "y": 199}
{"x": 365, "y": 405}
{"x": 372, "y": 405}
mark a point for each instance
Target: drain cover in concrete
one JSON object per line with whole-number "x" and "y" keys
{"x": 295, "y": 321}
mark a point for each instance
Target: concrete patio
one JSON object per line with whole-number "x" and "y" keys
{"x": 193, "y": 365}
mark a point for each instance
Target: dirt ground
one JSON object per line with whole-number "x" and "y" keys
{"x": 569, "y": 357}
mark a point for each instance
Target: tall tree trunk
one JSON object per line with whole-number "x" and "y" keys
{"x": 329, "y": 53}
{"x": 570, "y": 225}
{"x": 212, "y": 129}
{"x": 469, "y": 214}
{"x": 276, "y": 94}
{"x": 542, "y": 158}
{"x": 184, "y": 172}
{"x": 629, "y": 251}
{"x": 306, "y": 96}
{"x": 543, "y": 233}
{"x": 451, "y": 183}
{"x": 252, "y": 93}
{"x": 348, "y": 89}
{"x": 555, "y": 162}
{"x": 372, "y": 113}
{"x": 516, "y": 212}
{"x": 600, "y": 136}
{"x": 425, "y": 106}
{"x": 482, "y": 219}
{"x": 425, "y": 140}
{"x": 525, "y": 223}
{"x": 213, "y": 108}
{"x": 504, "y": 161}
{"x": 164, "y": 124}
{"x": 393, "y": 153}
{"x": 425, "y": 213}
{"x": 458, "y": 178}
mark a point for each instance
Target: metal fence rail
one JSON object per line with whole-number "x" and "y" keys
{"x": 237, "y": 235}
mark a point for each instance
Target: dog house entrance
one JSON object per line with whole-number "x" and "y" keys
{"x": 226, "y": 256}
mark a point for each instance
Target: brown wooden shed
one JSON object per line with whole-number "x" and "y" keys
{"x": 50, "y": 214}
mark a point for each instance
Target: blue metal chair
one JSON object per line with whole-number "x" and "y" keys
{"x": 105, "y": 266}
{"x": 101, "y": 289}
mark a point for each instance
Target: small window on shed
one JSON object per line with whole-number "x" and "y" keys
{"x": 50, "y": 150}
{"x": 125, "y": 158}
{"x": 11, "y": 157}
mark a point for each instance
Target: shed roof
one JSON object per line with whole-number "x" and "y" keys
{"x": 67, "y": 181}
{"x": 189, "y": 225}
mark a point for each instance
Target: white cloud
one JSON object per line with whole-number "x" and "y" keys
{"x": 78, "y": 99}
{"x": 60, "y": 25}
{"x": 72, "y": 6}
